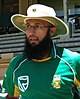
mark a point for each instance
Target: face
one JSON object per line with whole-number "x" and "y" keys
{"x": 36, "y": 30}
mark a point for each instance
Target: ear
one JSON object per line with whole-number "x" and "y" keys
{"x": 52, "y": 30}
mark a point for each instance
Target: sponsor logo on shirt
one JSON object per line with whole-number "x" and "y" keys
{"x": 23, "y": 83}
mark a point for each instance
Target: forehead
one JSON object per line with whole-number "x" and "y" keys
{"x": 34, "y": 21}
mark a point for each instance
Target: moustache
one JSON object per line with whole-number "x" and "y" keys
{"x": 32, "y": 37}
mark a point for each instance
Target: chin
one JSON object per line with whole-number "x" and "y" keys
{"x": 33, "y": 44}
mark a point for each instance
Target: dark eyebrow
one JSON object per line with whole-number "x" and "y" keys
{"x": 51, "y": 26}
{"x": 34, "y": 24}
{"x": 26, "y": 23}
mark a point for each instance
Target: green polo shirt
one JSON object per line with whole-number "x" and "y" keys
{"x": 51, "y": 78}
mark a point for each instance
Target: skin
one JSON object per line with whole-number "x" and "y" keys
{"x": 35, "y": 37}
{"x": 11, "y": 97}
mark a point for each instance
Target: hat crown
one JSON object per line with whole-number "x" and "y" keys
{"x": 39, "y": 10}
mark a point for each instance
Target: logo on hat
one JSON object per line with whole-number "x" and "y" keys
{"x": 34, "y": 10}
{"x": 23, "y": 83}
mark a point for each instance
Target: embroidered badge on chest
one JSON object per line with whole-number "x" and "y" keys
{"x": 23, "y": 83}
{"x": 56, "y": 82}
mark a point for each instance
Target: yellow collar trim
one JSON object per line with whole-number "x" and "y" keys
{"x": 42, "y": 60}
{"x": 76, "y": 82}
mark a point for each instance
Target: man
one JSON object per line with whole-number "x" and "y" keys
{"x": 43, "y": 71}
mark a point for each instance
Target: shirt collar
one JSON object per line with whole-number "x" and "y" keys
{"x": 53, "y": 50}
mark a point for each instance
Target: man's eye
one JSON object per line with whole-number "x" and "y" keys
{"x": 38, "y": 26}
{"x": 28, "y": 26}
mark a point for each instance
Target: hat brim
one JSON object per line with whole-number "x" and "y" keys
{"x": 61, "y": 28}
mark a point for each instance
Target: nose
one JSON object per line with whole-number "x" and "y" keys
{"x": 31, "y": 32}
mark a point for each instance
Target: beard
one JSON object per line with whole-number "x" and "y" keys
{"x": 40, "y": 50}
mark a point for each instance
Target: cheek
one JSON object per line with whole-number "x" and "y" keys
{"x": 41, "y": 35}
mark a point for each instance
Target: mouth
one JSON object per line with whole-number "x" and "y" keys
{"x": 33, "y": 40}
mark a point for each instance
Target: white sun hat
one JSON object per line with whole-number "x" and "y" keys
{"x": 42, "y": 12}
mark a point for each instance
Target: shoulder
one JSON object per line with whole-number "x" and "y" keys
{"x": 16, "y": 60}
{"x": 73, "y": 58}
{"x": 71, "y": 54}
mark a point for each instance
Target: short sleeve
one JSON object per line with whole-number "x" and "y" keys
{"x": 8, "y": 84}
